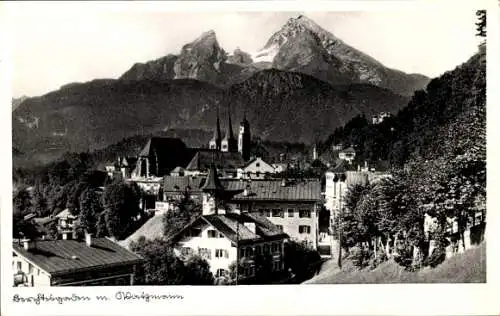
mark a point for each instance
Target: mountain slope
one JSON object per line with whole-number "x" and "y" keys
{"x": 299, "y": 46}
{"x": 279, "y": 105}
{"x": 292, "y": 106}
{"x": 91, "y": 115}
{"x": 448, "y": 118}
{"x": 302, "y": 45}
{"x": 17, "y": 102}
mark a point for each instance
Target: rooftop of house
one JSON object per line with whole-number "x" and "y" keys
{"x": 159, "y": 143}
{"x": 232, "y": 226}
{"x": 273, "y": 190}
{"x": 168, "y": 153}
{"x": 204, "y": 158}
{"x": 254, "y": 159}
{"x": 58, "y": 257}
{"x": 65, "y": 214}
{"x": 348, "y": 150}
{"x": 183, "y": 183}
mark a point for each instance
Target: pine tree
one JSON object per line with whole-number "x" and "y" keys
{"x": 90, "y": 209}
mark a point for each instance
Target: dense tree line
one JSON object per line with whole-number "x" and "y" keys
{"x": 440, "y": 151}
{"x": 72, "y": 183}
{"x": 417, "y": 130}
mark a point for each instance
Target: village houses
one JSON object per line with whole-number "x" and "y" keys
{"x": 224, "y": 235}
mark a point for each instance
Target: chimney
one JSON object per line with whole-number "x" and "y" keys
{"x": 28, "y": 244}
{"x": 88, "y": 239}
{"x": 250, "y": 226}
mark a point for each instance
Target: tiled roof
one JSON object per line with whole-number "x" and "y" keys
{"x": 179, "y": 183}
{"x": 232, "y": 225}
{"x": 222, "y": 160}
{"x": 56, "y": 256}
{"x": 272, "y": 190}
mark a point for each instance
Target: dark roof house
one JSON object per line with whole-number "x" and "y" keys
{"x": 60, "y": 257}
{"x": 232, "y": 226}
{"x": 164, "y": 154}
{"x": 307, "y": 190}
{"x": 204, "y": 158}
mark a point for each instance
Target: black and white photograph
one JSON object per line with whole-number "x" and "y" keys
{"x": 240, "y": 148}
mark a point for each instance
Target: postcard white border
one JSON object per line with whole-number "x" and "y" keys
{"x": 277, "y": 299}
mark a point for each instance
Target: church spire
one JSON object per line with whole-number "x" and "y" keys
{"x": 229, "y": 134}
{"x": 215, "y": 142}
{"x": 229, "y": 143}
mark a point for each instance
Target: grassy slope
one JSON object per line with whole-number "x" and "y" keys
{"x": 469, "y": 267}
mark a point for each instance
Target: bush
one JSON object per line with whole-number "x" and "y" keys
{"x": 374, "y": 262}
{"x": 404, "y": 257}
{"x": 360, "y": 256}
{"x": 437, "y": 257}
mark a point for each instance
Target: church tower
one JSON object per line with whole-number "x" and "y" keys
{"x": 244, "y": 139}
{"x": 229, "y": 143}
{"x": 215, "y": 142}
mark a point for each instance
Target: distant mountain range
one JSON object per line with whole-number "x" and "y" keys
{"x": 304, "y": 83}
{"x": 300, "y": 45}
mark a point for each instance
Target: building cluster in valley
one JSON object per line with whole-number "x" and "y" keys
{"x": 248, "y": 208}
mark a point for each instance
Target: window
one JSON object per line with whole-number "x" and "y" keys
{"x": 280, "y": 227}
{"x": 37, "y": 271}
{"x": 19, "y": 266}
{"x": 290, "y": 212}
{"x": 277, "y": 212}
{"x": 212, "y": 233}
{"x": 242, "y": 252}
{"x": 257, "y": 164}
{"x": 220, "y": 273}
{"x": 221, "y": 253}
{"x": 258, "y": 174}
{"x": 261, "y": 212}
{"x": 268, "y": 213}
{"x": 248, "y": 174}
{"x": 304, "y": 229}
{"x": 185, "y": 251}
{"x": 305, "y": 213}
{"x": 30, "y": 268}
{"x": 205, "y": 253}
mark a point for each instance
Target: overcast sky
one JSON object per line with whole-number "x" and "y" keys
{"x": 51, "y": 49}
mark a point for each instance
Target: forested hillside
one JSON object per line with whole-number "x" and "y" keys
{"x": 437, "y": 146}
{"x": 425, "y": 128}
